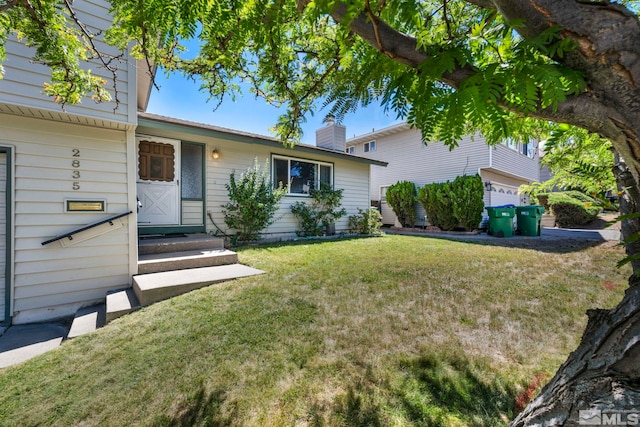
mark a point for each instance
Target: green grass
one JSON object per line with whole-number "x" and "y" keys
{"x": 377, "y": 331}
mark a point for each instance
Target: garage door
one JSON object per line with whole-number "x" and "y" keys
{"x": 3, "y": 237}
{"x": 504, "y": 195}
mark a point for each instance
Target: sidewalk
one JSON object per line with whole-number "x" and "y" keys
{"x": 607, "y": 234}
{"x": 22, "y": 342}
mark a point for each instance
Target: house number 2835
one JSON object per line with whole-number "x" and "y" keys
{"x": 75, "y": 164}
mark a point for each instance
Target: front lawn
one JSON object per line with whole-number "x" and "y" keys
{"x": 382, "y": 331}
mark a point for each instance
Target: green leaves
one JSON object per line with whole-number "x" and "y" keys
{"x": 401, "y": 196}
{"x": 253, "y": 202}
{"x": 65, "y": 44}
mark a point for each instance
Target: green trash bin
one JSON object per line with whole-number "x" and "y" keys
{"x": 529, "y": 219}
{"x": 501, "y": 220}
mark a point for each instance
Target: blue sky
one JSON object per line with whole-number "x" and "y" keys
{"x": 180, "y": 98}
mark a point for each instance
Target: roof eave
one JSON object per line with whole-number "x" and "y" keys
{"x": 201, "y": 129}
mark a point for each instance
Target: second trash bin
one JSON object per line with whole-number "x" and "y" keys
{"x": 529, "y": 219}
{"x": 501, "y": 220}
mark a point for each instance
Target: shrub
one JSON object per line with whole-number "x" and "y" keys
{"x": 316, "y": 218}
{"x": 253, "y": 202}
{"x": 365, "y": 222}
{"x": 437, "y": 203}
{"x": 570, "y": 211}
{"x": 452, "y": 204}
{"x": 401, "y": 196}
{"x": 580, "y": 196}
{"x": 467, "y": 201}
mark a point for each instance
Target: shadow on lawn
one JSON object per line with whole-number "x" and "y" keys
{"x": 547, "y": 246}
{"x": 203, "y": 409}
{"x": 433, "y": 390}
{"x": 557, "y": 246}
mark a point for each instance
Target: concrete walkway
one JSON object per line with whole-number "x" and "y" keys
{"x": 609, "y": 234}
{"x": 22, "y": 342}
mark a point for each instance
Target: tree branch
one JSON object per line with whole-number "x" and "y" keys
{"x": 8, "y": 5}
{"x": 105, "y": 60}
{"x": 485, "y": 4}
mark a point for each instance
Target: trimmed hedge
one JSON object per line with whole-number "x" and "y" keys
{"x": 454, "y": 204}
{"x": 401, "y": 196}
{"x": 437, "y": 203}
{"x": 571, "y": 208}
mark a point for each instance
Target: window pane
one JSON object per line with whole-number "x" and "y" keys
{"x": 303, "y": 176}
{"x": 325, "y": 174}
{"x": 192, "y": 173}
{"x": 280, "y": 173}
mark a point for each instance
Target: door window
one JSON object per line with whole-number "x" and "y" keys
{"x": 156, "y": 161}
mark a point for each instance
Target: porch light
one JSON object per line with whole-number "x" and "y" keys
{"x": 215, "y": 154}
{"x": 487, "y": 186}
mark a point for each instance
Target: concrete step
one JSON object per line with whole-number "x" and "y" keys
{"x": 155, "y": 263}
{"x": 150, "y": 288}
{"x": 120, "y": 303}
{"x": 188, "y": 242}
{"x": 87, "y": 319}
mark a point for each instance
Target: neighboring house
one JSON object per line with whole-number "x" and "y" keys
{"x": 61, "y": 171}
{"x": 503, "y": 167}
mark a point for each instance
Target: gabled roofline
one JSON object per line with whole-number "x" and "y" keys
{"x": 202, "y": 129}
{"x": 390, "y": 130}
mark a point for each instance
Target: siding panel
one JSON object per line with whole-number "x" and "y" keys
{"x": 192, "y": 212}
{"x": 3, "y": 234}
{"x": 24, "y": 79}
{"x": 51, "y": 280}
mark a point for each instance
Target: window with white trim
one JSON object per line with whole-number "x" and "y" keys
{"x": 511, "y": 143}
{"x": 528, "y": 149}
{"x": 351, "y": 150}
{"x": 369, "y": 146}
{"x": 300, "y": 176}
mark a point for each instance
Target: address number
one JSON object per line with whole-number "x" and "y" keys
{"x": 75, "y": 165}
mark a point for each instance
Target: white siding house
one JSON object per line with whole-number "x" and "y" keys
{"x": 81, "y": 170}
{"x": 199, "y": 210}
{"x": 503, "y": 167}
{"x": 62, "y": 170}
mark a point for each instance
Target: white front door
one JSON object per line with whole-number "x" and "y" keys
{"x": 158, "y": 182}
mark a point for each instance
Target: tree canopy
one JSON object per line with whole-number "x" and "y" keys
{"x": 578, "y": 160}
{"x": 506, "y": 68}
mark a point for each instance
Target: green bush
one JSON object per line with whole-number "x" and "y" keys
{"x": 453, "y": 204}
{"x": 437, "y": 203}
{"x": 580, "y": 196}
{"x": 316, "y": 218}
{"x": 467, "y": 200}
{"x": 253, "y": 202}
{"x": 569, "y": 210}
{"x": 366, "y": 221}
{"x": 401, "y": 196}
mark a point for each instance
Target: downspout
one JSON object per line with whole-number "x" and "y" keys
{"x": 8, "y": 262}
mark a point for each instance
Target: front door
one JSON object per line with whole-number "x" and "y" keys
{"x": 158, "y": 182}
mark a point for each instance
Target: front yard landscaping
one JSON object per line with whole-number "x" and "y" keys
{"x": 392, "y": 330}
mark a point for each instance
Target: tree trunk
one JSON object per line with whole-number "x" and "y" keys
{"x": 603, "y": 374}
